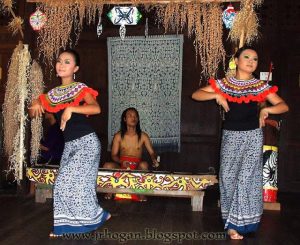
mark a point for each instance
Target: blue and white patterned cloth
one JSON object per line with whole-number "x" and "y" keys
{"x": 146, "y": 73}
{"x": 76, "y": 208}
{"x": 241, "y": 180}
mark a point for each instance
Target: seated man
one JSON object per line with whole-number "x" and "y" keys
{"x": 128, "y": 143}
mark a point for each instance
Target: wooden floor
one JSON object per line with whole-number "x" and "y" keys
{"x": 22, "y": 221}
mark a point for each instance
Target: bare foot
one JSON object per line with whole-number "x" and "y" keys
{"x": 108, "y": 216}
{"x": 234, "y": 235}
{"x": 108, "y": 196}
{"x": 143, "y": 199}
{"x": 52, "y": 235}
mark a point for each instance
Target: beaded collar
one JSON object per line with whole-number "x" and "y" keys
{"x": 242, "y": 90}
{"x": 60, "y": 97}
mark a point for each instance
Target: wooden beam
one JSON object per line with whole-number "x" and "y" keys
{"x": 141, "y": 1}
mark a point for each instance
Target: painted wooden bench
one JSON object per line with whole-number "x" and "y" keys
{"x": 131, "y": 182}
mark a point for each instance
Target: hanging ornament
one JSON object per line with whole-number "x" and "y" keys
{"x": 146, "y": 28}
{"x": 37, "y": 20}
{"x": 228, "y": 16}
{"x": 231, "y": 71}
{"x": 122, "y": 31}
{"x": 232, "y": 64}
{"x": 124, "y": 16}
{"x": 99, "y": 27}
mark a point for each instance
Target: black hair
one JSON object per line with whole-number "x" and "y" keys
{"x": 124, "y": 126}
{"x": 74, "y": 54}
{"x": 240, "y": 50}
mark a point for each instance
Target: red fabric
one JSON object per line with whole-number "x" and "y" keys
{"x": 48, "y": 107}
{"x": 246, "y": 99}
{"x": 270, "y": 195}
{"x": 130, "y": 160}
{"x": 133, "y": 162}
{"x": 132, "y": 197}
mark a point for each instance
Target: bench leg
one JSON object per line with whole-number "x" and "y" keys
{"x": 197, "y": 201}
{"x": 42, "y": 193}
{"x": 32, "y": 188}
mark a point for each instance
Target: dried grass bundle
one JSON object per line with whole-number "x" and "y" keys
{"x": 20, "y": 63}
{"x": 36, "y": 87}
{"x": 208, "y": 38}
{"x": 172, "y": 16}
{"x": 245, "y": 25}
{"x": 10, "y": 124}
{"x": 64, "y": 20}
{"x": 6, "y": 5}
{"x": 15, "y": 25}
{"x": 205, "y": 23}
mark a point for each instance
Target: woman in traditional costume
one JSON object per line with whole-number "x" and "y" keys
{"x": 76, "y": 208}
{"x": 241, "y": 158}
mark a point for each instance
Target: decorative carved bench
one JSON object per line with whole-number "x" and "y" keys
{"x": 132, "y": 182}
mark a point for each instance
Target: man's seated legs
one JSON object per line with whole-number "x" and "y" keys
{"x": 143, "y": 165}
{"x": 111, "y": 165}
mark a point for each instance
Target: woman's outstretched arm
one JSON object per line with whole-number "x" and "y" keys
{"x": 208, "y": 93}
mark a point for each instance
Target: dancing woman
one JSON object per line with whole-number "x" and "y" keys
{"x": 76, "y": 208}
{"x": 241, "y": 158}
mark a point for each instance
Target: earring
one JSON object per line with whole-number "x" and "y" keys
{"x": 74, "y": 76}
{"x": 56, "y": 75}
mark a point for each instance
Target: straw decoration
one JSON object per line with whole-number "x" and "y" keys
{"x": 245, "y": 25}
{"x": 204, "y": 22}
{"x": 15, "y": 24}
{"x": 64, "y": 21}
{"x": 14, "y": 111}
{"x": 36, "y": 87}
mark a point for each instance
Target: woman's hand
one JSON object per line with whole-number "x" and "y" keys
{"x": 263, "y": 115}
{"x": 36, "y": 109}
{"x": 65, "y": 117}
{"x": 222, "y": 102}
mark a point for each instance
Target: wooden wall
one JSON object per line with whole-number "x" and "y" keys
{"x": 288, "y": 55}
{"x": 200, "y": 128}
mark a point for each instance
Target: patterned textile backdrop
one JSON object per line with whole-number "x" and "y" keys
{"x": 146, "y": 73}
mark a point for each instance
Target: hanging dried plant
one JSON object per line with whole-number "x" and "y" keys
{"x": 20, "y": 85}
{"x": 15, "y": 25}
{"x": 245, "y": 25}
{"x": 169, "y": 17}
{"x": 36, "y": 87}
{"x": 64, "y": 20}
{"x": 6, "y": 5}
{"x": 208, "y": 38}
{"x": 204, "y": 22}
{"x": 10, "y": 124}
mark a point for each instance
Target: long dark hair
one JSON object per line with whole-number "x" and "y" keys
{"x": 124, "y": 126}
